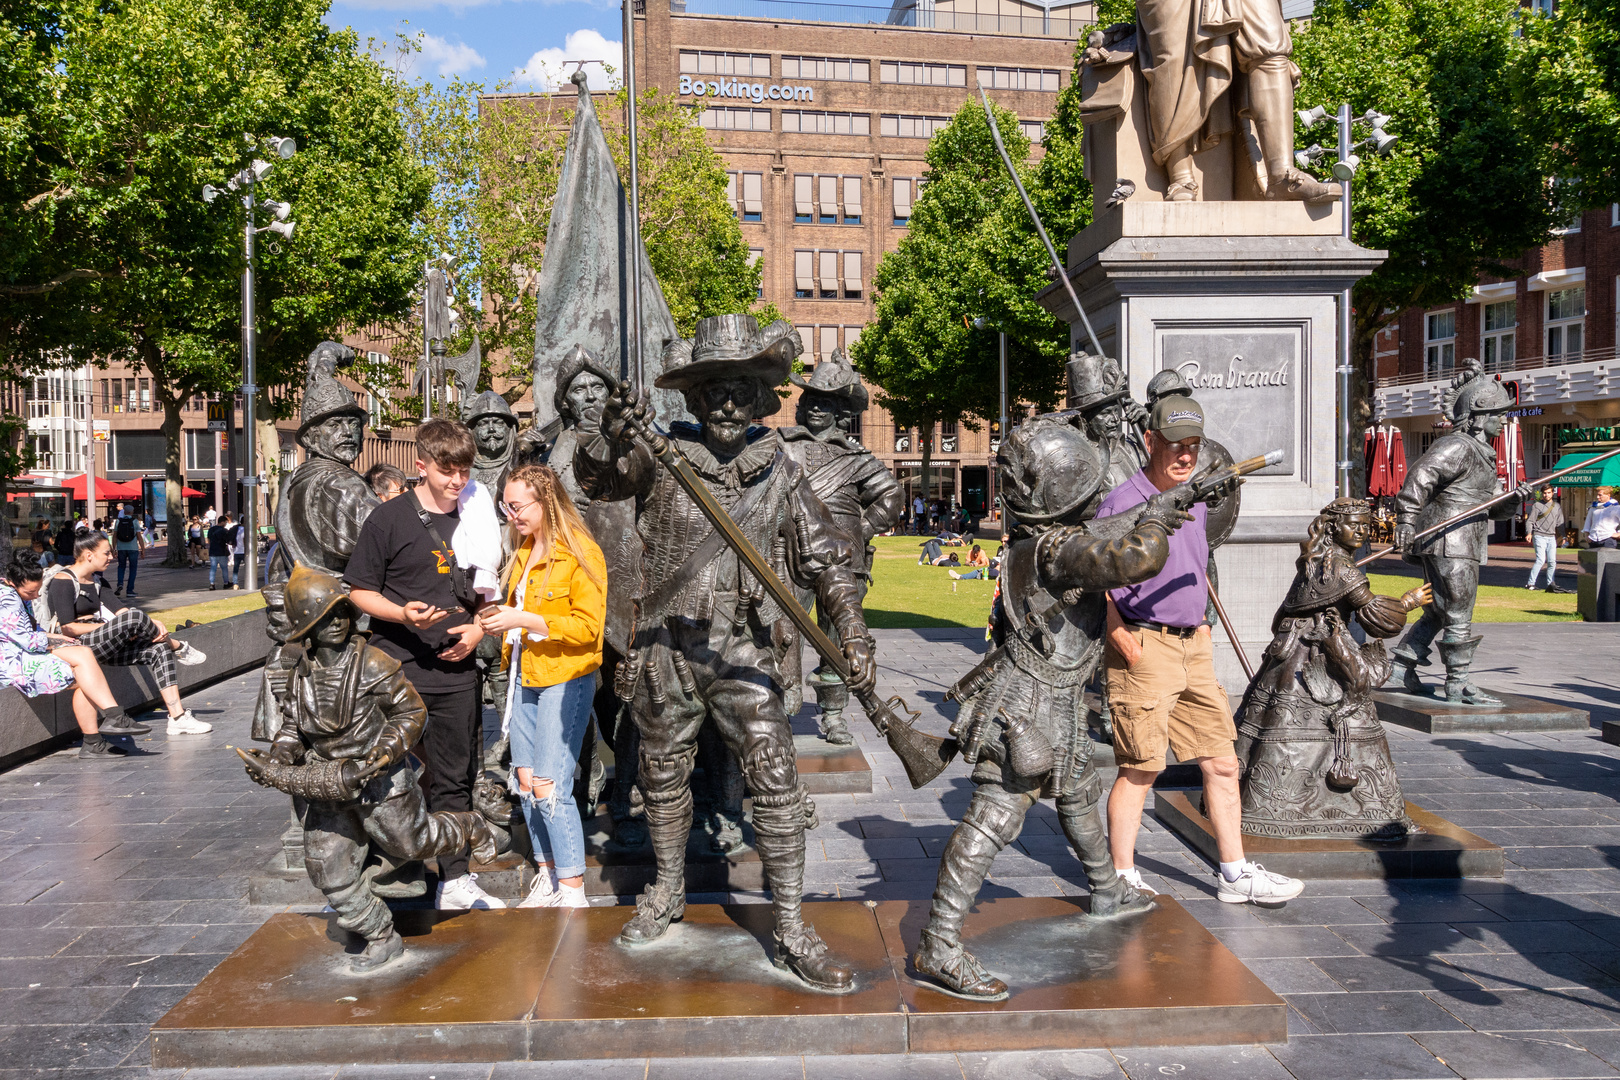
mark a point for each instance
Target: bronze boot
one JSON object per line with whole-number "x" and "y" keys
{"x": 378, "y": 951}
{"x": 801, "y": 951}
{"x": 1458, "y": 657}
{"x": 1110, "y": 893}
{"x": 956, "y": 970}
{"x": 669, "y": 821}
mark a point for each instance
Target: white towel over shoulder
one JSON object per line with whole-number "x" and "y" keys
{"x": 477, "y": 540}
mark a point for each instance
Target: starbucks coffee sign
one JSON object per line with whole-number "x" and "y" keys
{"x": 758, "y": 93}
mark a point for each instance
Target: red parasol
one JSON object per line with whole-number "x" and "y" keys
{"x": 1397, "y": 461}
{"x": 105, "y": 489}
{"x": 191, "y": 493}
{"x": 1500, "y": 443}
{"x": 1518, "y": 454}
{"x": 1378, "y": 466}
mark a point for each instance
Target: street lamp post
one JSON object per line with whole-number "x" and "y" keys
{"x": 246, "y": 181}
{"x": 1344, "y": 170}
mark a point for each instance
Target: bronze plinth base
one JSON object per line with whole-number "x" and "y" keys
{"x": 538, "y": 984}
{"x": 1516, "y": 713}
{"x": 825, "y": 769}
{"x": 1441, "y": 850}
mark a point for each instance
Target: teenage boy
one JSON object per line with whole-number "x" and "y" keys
{"x": 219, "y": 553}
{"x": 404, "y": 574}
{"x": 129, "y": 542}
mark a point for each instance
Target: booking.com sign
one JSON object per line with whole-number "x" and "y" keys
{"x": 755, "y": 92}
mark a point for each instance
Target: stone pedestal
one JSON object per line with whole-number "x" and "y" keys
{"x": 1597, "y": 587}
{"x": 1242, "y": 298}
{"x": 1516, "y": 713}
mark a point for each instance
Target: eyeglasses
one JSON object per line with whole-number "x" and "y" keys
{"x": 514, "y": 509}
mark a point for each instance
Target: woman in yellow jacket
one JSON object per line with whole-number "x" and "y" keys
{"x": 556, "y": 606}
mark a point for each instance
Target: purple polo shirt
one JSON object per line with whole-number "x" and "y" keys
{"x": 1178, "y": 594}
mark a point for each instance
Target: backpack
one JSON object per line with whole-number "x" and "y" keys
{"x": 125, "y": 531}
{"x": 41, "y": 605}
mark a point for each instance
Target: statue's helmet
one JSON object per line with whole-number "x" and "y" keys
{"x": 578, "y": 360}
{"x": 733, "y": 347}
{"x": 1049, "y": 470}
{"x": 1165, "y": 384}
{"x": 310, "y": 596}
{"x": 488, "y": 403}
{"x": 324, "y": 396}
{"x": 837, "y": 378}
{"x": 1474, "y": 393}
{"x": 1094, "y": 381}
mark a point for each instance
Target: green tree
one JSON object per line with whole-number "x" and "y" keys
{"x": 1465, "y": 189}
{"x": 1569, "y": 87}
{"x": 152, "y": 100}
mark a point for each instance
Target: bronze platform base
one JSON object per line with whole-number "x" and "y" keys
{"x": 1441, "y": 850}
{"x": 825, "y": 769}
{"x": 1516, "y": 713}
{"x": 546, "y": 984}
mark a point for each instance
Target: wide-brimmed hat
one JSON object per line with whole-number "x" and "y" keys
{"x": 836, "y": 377}
{"x": 324, "y": 396}
{"x": 732, "y": 347}
{"x": 488, "y": 403}
{"x": 1094, "y": 381}
{"x": 580, "y": 359}
{"x": 310, "y": 597}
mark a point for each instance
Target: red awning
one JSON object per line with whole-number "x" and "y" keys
{"x": 191, "y": 493}
{"x": 105, "y": 489}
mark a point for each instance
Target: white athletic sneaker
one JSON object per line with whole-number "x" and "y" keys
{"x": 543, "y": 892}
{"x": 464, "y": 894}
{"x": 1134, "y": 876}
{"x": 187, "y": 724}
{"x": 1257, "y": 885}
{"x": 188, "y": 654}
{"x": 571, "y": 896}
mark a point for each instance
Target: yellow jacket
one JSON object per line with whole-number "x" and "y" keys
{"x": 575, "y": 610}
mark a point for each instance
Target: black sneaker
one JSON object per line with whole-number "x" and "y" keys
{"x": 118, "y": 591}
{"x": 1556, "y": 589}
{"x": 101, "y": 748}
{"x": 122, "y": 724}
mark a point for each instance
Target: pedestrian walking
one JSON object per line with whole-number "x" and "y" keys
{"x": 1544, "y": 522}
{"x": 130, "y": 542}
{"x": 219, "y": 554}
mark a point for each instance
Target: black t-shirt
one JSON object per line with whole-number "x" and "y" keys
{"x": 73, "y": 602}
{"x": 219, "y": 541}
{"x": 395, "y": 556}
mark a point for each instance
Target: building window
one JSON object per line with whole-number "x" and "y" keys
{"x": 106, "y": 400}
{"x": 720, "y": 63}
{"x": 827, "y": 275}
{"x": 816, "y": 275}
{"x": 377, "y": 400}
{"x": 754, "y": 257}
{"x": 826, "y": 200}
{"x": 804, "y": 188}
{"x": 1549, "y": 447}
{"x": 804, "y": 276}
{"x": 1614, "y": 215}
{"x": 853, "y": 285}
{"x": 826, "y": 123}
{"x": 904, "y": 189}
{"x": 836, "y": 69}
{"x": 852, "y": 200}
{"x": 131, "y": 398}
{"x": 146, "y": 395}
{"x": 720, "y": 118}
{"x": 1566, "y": 324}
{"x": 1440, "y": 344}
{"x": 744, "y": 193}
{"x": 1034, "y": 130}
{"x": 829, "y": 342}
{"x": 899, "y": 71}
{"x": 1496, "y": 346}
{"x": 1000, "y": 78}
{"x": 1573, "y": 225}
{"x": 911, "y": 127}
{"x": 733, "y": 192}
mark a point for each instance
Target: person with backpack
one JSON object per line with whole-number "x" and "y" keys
{"x": 130, "y": 542}
{"x": 219, "y": 553}
{"x": 238, "y": 551}
{"x": 119, "y": 635}
{"x": 37, "y": 663}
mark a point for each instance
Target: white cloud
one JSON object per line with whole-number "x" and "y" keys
{"x": 548, "y": 70}
{"x": 447, "y": 58}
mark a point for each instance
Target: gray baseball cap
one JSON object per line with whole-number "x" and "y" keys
{"x": 1177, "y": 418}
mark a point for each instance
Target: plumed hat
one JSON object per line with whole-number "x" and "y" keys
{"x": 580, "y": 359}
{"x": 1473, "y": 392}
{"x": 836, "y": 377}
{"x": 1048, "y": 469}
{"x": 488, "y": 403}
{"x": 1094, "y": 381}
{"x": 310, "y": 596}
{"x": 732, "y": 347}
{"x": 323, "y": 395}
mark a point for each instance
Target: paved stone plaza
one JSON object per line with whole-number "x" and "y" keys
{"x": 122, "y": 884}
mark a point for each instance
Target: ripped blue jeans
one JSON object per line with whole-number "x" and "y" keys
{"x": 547, "y": 728}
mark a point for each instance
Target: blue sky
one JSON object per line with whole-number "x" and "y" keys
{"x": 493, "y": 41}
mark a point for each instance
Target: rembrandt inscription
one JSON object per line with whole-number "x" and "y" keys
{"x": 1248, "y": 384}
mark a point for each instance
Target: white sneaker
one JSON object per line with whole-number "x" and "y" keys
{"x": 1258, "y": 885}
{"x": 187, "y": 724}
{"x": 464, "y": 894}
{"x": 571, "y": 896}
{"x": 543, "y": 892}
{"x": 1134, "y": 876}
{"x": 188, "y": 654}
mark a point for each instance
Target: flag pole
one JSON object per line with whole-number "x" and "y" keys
{"x": 633, "y": 337}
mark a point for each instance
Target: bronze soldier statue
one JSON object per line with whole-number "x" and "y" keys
{"x": 1020, "y": 718}
{"x": 494, "y": 428}
{"x": 347, "y": 720}
{"x": 863, "y": 496}
{"x": 1315, "y": 759}
{"x": 702, "y": 650}
{"x": 1096, "y": 388}
{"x": 1456, "y": 473}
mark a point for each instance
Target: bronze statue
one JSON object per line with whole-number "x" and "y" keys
{"x": 1456, "y": 473}
{"x": 1020, "y": 718}
{"x": 1316, "y": 763}
{"x": 347, "y": 720}
{"x": 863, "y": 496}
{"x": 702, "y": 650}
{"x": 494, "y": 428}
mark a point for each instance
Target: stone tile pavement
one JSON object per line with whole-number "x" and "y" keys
{"x": 123, "y": 883}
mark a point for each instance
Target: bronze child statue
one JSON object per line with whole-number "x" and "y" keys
{"x": 348, "y": 717}
{"x": 1316, "y": 763}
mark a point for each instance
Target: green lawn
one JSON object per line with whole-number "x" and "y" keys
{"x": 905, "y": 595}
{"x": 211, "y": 610}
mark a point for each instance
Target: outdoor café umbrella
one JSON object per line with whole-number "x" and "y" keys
{"x": 1378, "y": 465}
{"x": 1397, "y": 461}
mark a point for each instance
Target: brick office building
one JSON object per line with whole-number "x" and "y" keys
{"x": 823, "y": 119}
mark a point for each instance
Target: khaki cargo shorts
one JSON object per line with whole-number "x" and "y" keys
{"x": 1169, "y": 697}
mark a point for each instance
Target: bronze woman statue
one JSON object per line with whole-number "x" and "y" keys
{"x": 1316, "y": 763}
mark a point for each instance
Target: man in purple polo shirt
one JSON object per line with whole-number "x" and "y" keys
{"x": 1161, "y": 673}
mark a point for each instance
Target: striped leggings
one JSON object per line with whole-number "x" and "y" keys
{"x": 128, "y": 639}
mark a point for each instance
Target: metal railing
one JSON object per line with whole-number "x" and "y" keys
{"x": 965, "y": 16}
{"x": 1523, "y": 363}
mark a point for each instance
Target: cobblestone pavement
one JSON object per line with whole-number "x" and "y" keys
{"x": 123, "y": 883}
